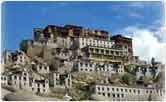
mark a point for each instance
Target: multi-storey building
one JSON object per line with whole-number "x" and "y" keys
{"x": 40, "y": 86}
{"x": 4, "y": 79}
{"x": 60, "y": 80}
{"x": 122, "y": 93}
{"x": 107, "y": 67}
{"x": 41, "y": 68}
{"x": 60, "y": 50}
{"x": 19, "y": 57}
{"x": 120, "y": 40}
{"x": 75, "y": 31}
{"x": 19, "y": 79}
{"x": 104, "y": 54}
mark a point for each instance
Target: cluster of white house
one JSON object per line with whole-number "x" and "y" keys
{"x": 23, "y": 80}
{"x": 29, "y": 78}
{"x": 30, "y": 81}
{"x": 119, "y": 93}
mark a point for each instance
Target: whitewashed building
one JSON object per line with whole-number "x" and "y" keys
{"x": 19, "y": 57}
{"x": 23, "y": 80}
{"x": 40, "y": 86}
{"x": 83, "y": 42}
{"x": 41, "y": 68}
{"x": 120, "y": 93}
{"x": 7, "y": 56}
{"x": 4, "y": 79}
{"x": 61, "y": 80}
{"x": 86, "y": 66}
{"x": 20, "y": 79}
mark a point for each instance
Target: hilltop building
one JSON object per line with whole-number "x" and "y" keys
{"x": 55, "y": 53}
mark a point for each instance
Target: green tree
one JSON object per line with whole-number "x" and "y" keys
{"x": 128, "y": 78}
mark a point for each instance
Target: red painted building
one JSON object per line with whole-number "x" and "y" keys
{"x": 120, "y": 40}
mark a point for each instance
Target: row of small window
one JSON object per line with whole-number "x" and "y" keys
{"x": 40, "y": 67}
{"x": 24, "y": 78}
{"x": 90, "y": 70}
{"x": 22, "y": 57}
{"x": 113, "y": 95}
{"x": 91, "y": 65}
{"x": 16, "y": 83}
{"x": 43, "y": 90}
{"x": 97, "y": 45}
{"x": 3, "y": 78}
{"x": 38, "y": 85}
{"x": 130, "y": 90}
{"x": 107, "y": 52}
{"x": 118, "y": 90}
{"x": 96, "y": 41}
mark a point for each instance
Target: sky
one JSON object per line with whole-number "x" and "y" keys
{"x": 140, "y": 20}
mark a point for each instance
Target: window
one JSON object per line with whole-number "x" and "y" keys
{"x": 103, "y": 88}
{"x": 86, "y": 69}
{"x": 90, "y": 65}
{"x": 112, "y": 89}
{"x": 122, "y": 95}
{"x": 108, "y": 94}
{"x": 15, "y": 77}
{"x": 86, "y": 64}
{"x": 80, "y": 64}
{"x": 150, "y": 91}
{"x": 117, "y": 89}
{"x": 45, "y": 67}
{"x": 138, "y": 91}
{"x": 44, "y": 90}
{"x": 112, "y": 52}
{"x": 129, "y": 90}
{"x": 134, "y": 90}
{"x": 146, "y": 91}
{"x": 125, "y": 90}
{"x": 99, "y": 93}
{"x": 103, "y": 94}
{"x": 81, "y": 69}
{"x": 118, "y": 95}
{"x": 40, "y": 67}
{"x": 24, "y": 78}
{"x": 122, "y": 90}
{"x": 38, "y": 85}
{"x": 98, "y": 88}
{"x": 25, "y": 74}
{"x": 113, "y": 95}
{"x": 90, "y": 70}
{"x": 108, "y": 89}
{"x": 102, "y": 51}
{"x": 107, "y": 52}
{"x": 43, "y": 85}
{"x": 32, "y": 89}
{"x": 97, "y": 50}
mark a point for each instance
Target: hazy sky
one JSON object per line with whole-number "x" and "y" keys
{"x": 19, "y": 18}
